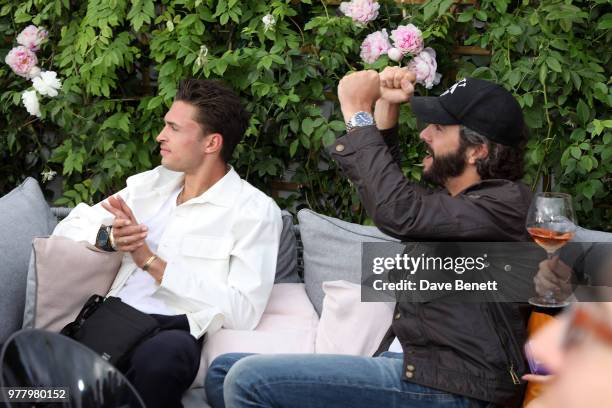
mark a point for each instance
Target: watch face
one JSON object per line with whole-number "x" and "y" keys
{"x": 362, "y": 119}
{"x": 103, "y": 237}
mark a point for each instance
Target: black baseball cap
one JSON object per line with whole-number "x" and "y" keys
{"x": 480, "y": 105}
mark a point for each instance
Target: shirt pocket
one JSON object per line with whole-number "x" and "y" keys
{"x": 204, "y": 246}
{"x": 207, "y": 257}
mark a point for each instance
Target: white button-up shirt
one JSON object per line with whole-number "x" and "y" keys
{"x": 220, "y": 247}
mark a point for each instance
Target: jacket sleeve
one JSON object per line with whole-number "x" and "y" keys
{"x": 84, "y": 221}
{"x": 391, "y": 138}
{"x": 406, "y": 210}
{"x": 242, "y": 298}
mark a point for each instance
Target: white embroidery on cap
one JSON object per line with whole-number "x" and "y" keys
{"x": 451, "y": 90}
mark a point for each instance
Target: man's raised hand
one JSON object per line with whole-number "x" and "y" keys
{"x": 358, "y": 92}
{"x": 397, "y": 84}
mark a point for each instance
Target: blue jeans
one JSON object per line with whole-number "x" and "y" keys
{"x": 320, "y": 380}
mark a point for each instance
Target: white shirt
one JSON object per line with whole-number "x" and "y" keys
{"x": 220, "y": 247}
{"x": 396, "y": 346}
{"x": 139, "y": 289}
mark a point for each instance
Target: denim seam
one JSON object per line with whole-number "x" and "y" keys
{"x": 442, "y": 395}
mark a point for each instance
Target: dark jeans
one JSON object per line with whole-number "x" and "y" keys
{"x": 163, "y": 367}
{"x": 320, "y": 380}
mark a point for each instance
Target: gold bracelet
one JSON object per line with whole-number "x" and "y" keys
{"x": 150, "y": 261}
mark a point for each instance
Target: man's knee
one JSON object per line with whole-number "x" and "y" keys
{"x": 247, "y": 379}
{"x": 215, "y": 377}
{"x": 222, "y": 364}
{"x": 168, "y": 351}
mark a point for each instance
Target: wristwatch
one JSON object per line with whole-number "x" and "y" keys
{"x": 103, "y": 239}
{"x": 359, "y": 119}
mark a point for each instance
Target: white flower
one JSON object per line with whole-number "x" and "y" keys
{"x": 48, "y": 175}
{"x": 361, "y": 11}
{"x": 201, "y": 60}
{"x": 30, "y": 101}
{"x": 395, "y": 54}
{"x": 269, "y": 21}
{"x": 47, "y": 83}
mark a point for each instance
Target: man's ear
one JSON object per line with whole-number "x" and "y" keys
{"x": 477, "y": 152}
{"x": 213, "y": 143}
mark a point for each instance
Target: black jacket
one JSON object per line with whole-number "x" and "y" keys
{"x": 470, "y": 349}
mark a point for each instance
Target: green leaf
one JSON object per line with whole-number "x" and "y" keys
{"x": 606, "y": 155}
{"x": 337, "y": 125}
{"x": 481, "y": 15}
{"x": 559, "y": 44}
{"x": 293, "y": 147}
{"x": 500, "y": 6}
{"x": 576, "y": 79}
{"x": 5, "y": 10}
{"x": 514, "y": 30}
{"x": 605, "y": 22}
{"x": 154, "y": 102}
{"x": 430, "y": 8}
{"x": 578, "y": 135}
{"x": 465, "y": 17}
{"x": 553, "y": 64}
{"x": 444, "y": 6}
{"x": 586, "y": 163}
{"x": 307, "y": 126}
{"x": 582, "y": 110}
{"x": 575, "y": 152}
{"x": 543, "y": 73}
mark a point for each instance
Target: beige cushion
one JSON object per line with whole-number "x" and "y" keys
{"x": 288, "y": 325}
{"x": 66, "y": 274}
{"x": 348, "y": 325}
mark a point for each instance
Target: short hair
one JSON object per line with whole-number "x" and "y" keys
{"x": 219, "y": 110}
{"x": 503, "y": 161}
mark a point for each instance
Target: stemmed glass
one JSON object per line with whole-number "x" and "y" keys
{"x": 551, "y": 222}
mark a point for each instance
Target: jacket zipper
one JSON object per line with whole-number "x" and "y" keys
{"x": 504, "y": 346}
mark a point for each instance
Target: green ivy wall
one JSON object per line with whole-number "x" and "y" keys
{"x": 120, "y": 62}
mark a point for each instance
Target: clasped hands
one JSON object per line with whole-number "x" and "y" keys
{"x": 128, "y": 235}
{"x": 360, "y": 90}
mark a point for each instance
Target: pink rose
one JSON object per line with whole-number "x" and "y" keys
{"x": 425, "y": 66}
{"x": 22, "y": 61}
{"x": 361, "y": 11}
{"x": 32, "y": 36}
{"x": 408, "y": 39}
{"x": 375, "y": 45}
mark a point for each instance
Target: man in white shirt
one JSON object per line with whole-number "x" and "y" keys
{"x": 200, "y": 244}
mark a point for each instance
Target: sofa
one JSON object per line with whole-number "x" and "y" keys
{"x": 315, "y": 304}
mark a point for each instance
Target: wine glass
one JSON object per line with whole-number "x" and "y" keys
{"x": 551, "y": 222}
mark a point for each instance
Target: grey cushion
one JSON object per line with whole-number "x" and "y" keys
{"x": 286, "y": 264}
{"x": 587, "y": 235}
{"x": 332, "y": 251}
{"x": 24, "y": 214}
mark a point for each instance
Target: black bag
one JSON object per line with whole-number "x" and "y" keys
{"x": 111, "y": 328}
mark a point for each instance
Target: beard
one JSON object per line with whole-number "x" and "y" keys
{"x": 446, "y": 166}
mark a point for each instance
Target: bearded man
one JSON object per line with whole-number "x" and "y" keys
{"x": 435, "y": 354}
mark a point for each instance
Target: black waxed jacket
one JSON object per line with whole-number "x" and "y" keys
{"x": 470, "y": 349}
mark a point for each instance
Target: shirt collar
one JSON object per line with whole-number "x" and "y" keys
{"x": 223, "y": 192}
